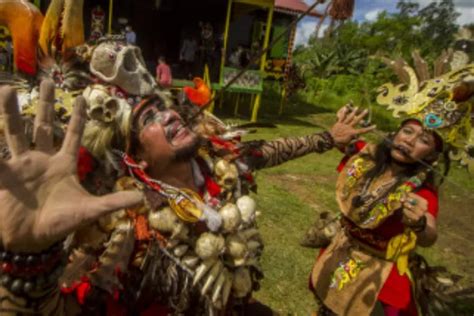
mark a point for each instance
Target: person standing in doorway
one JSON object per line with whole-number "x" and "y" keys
{"x": 187, "y": 55}
{"x": 130, "y": 35}
{"x": 163, "y": 73}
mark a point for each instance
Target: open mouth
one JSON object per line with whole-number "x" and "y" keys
{"x": 174, "y": 129}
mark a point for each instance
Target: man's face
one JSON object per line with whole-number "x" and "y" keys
{"x": 162, "y": 136}
{"x": 412, "y": 143}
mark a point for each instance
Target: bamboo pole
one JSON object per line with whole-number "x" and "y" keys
{"x": 111, "y": 9}
{"x": 263, "y": 60}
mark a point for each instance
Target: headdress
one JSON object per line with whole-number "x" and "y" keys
{"x": 442, "y": 104}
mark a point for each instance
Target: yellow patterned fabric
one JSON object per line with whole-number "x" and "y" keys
{"x": 399, "y": 248}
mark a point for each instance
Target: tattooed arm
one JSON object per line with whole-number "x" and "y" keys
{"x": 262, "y": 154}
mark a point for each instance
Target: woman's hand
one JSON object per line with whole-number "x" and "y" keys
{"x": 417, "y": 217}
{"x": 344, "y": 130}
{"x": 41, "y": 198}
{"x": 414, "y": 208}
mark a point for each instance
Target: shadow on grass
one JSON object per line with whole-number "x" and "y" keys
{"x": 295, "y": 110}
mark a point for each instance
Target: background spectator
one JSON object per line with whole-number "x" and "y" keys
{"x": 130, "y": 35}
{"x": 163, "y": 73}
{"x": 187, "y": 55}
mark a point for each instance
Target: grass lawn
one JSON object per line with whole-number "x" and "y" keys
{"x": 289, "y": 197}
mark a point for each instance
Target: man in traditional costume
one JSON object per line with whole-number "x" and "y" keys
{"x": 192, "y": 246}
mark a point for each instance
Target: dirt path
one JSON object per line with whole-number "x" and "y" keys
{"x": 455, "y": 244}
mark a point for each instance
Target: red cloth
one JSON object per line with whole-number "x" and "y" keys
{"x": 396, "y": 290}
{"x": 85, "y": 163}
{"x": 81, "y": 289}
{"x": 212, "y": 187}
{"x": 358, "y": 145}
{"x": 163, "y": 75}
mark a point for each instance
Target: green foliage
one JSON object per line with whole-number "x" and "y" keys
{"x": 345, "y": 65}
{"x": 439, "y": 23}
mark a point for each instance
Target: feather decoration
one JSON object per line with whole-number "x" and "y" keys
{"x": 421, "y": 66}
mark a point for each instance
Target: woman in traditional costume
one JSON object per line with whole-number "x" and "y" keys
{"x": 387, "y": 195}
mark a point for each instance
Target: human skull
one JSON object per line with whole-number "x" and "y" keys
{"x": 209, "y": 246}
{"x": 230, "y": 217}
{"x": 226, "y": 174}
{"x": 102, "y": 106}
{"x": 247, "y": 208}
{"x": 122, "y": 65}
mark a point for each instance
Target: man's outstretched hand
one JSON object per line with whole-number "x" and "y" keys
{"x": 345, "y": 129}
{"x": 41, "y": 199}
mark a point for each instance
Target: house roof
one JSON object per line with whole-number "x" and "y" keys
{"x": 294, "y": 7}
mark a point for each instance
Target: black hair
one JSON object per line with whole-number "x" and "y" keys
{"x": 154, "y": 100}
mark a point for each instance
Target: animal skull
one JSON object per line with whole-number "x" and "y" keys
{"x": 166, "y": 221}
{"x": 102, "y": 106}
{"x": 226, "y": 174}
{"x": 123, "y": 66}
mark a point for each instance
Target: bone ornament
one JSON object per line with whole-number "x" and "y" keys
{"x": 226, "y": 174}
{"x": 166, "y": 221}
{"x": 242, "y": 282}
{"x": 209, "y": 246}
{"x": 190, "y": 261}
{"x": 236, "y": 248}
{"x": 123, "y": 66}
{"x": 231, "y": 217}
{"x": 112, "y": 221}
{"x": 101, "y": 105}
{"x": 247, "y": 207}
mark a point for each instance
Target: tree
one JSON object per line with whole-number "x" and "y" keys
{"x": 439, "y": 23}
{"x": 407, "y": 8}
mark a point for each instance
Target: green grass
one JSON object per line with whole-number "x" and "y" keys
{"x": 289, "y": 197}
{"x": 288, "y": 206}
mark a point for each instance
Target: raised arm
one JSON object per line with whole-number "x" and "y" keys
{"x": 41, "y": 197}
{"x": 265, "y": 154}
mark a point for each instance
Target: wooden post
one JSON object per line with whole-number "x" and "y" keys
{"x": 236, "y": 108}
{"x": 111, "y": 9}
{"x": 289, "y": 61}
{"x": 256, "y": 105}
{"x": 226, "y": 35}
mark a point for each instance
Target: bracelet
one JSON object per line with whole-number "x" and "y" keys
{"x": 24, "y": 273}
{"x": 328, "y": 140}
{"x": 419, "y": 225}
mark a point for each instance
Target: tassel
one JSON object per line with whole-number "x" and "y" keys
{"x": 341, "y": 9}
